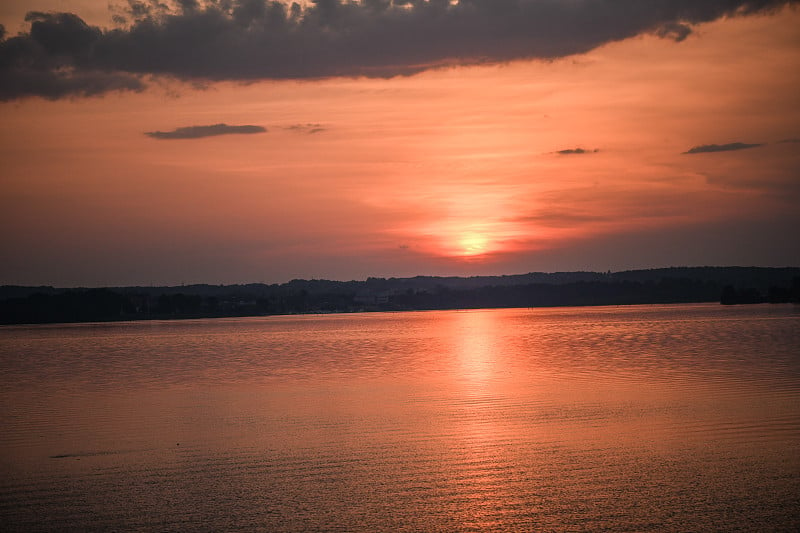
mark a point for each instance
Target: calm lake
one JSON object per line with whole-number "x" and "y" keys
{"x": 636, "y": 418}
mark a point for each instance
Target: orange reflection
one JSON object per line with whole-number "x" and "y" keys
{"x": 478, "y": 463}
{"x": 475, "y": 332}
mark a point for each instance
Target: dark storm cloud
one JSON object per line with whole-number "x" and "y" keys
{"x": 196, "y": 132}
{"x": 706, "y": 148}
{"x": 263, "y": 39}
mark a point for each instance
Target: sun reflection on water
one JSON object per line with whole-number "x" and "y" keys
{"x": 474, "y": 333}
{"x": 478, "y": 438}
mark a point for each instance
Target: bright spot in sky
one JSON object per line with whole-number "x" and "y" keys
{"x": 473, "y": 244}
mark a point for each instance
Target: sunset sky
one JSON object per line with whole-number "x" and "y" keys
{"x": 240, "y": 141}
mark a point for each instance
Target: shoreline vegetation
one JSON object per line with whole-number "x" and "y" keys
{"x": 727, "y": 285}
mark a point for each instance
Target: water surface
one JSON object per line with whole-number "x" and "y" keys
{"x": 616, "y": 418}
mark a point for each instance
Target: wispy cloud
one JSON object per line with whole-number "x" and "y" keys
{"x": 583, "y": 207}
{"x": 244, "y": 40}
{"x": 197, "y": 132}
{"x": 576, "y": 151}
{"x": 730, "y": 147}
{"x": 309, "y": 128}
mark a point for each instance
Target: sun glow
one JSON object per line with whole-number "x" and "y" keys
{"x": 473, "y": 244}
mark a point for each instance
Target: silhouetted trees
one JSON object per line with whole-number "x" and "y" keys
{"x": 681, "y": 285}
{"x": 71, "y": 306}
{"x": 751, "y": 295}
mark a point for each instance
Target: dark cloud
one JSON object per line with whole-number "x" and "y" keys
{"x": 265, "y": 39}
{"x": 196, "y": 132}
{"x": 576, "y": 151}
{"x": 706, "y": 148}
{"x": 54, "y": 60}
{"x": 674, "y": 30}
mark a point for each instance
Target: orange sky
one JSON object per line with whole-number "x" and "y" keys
{"x": 454, "y": 171}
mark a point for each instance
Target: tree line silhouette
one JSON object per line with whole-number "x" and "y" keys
{"x": 733, "y": 285}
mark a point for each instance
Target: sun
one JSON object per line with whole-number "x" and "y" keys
{"x": 473, "y": 244}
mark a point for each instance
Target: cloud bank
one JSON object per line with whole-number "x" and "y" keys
{"x": 245, "y": 40}
{"x": 706, "y": 148}
{"x": 197, "y": 132}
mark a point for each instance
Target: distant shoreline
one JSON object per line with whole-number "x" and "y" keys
{"x": 344, "y": 313}
{"x": 727, "y": 285}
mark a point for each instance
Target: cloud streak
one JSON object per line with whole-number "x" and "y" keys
{"x": 309, "y": 129}
{"x": 197, "y": 132}
{"x": 246, "y": 40}
{"x": 708, "y": 148}
{"x": 576, "y": 151}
